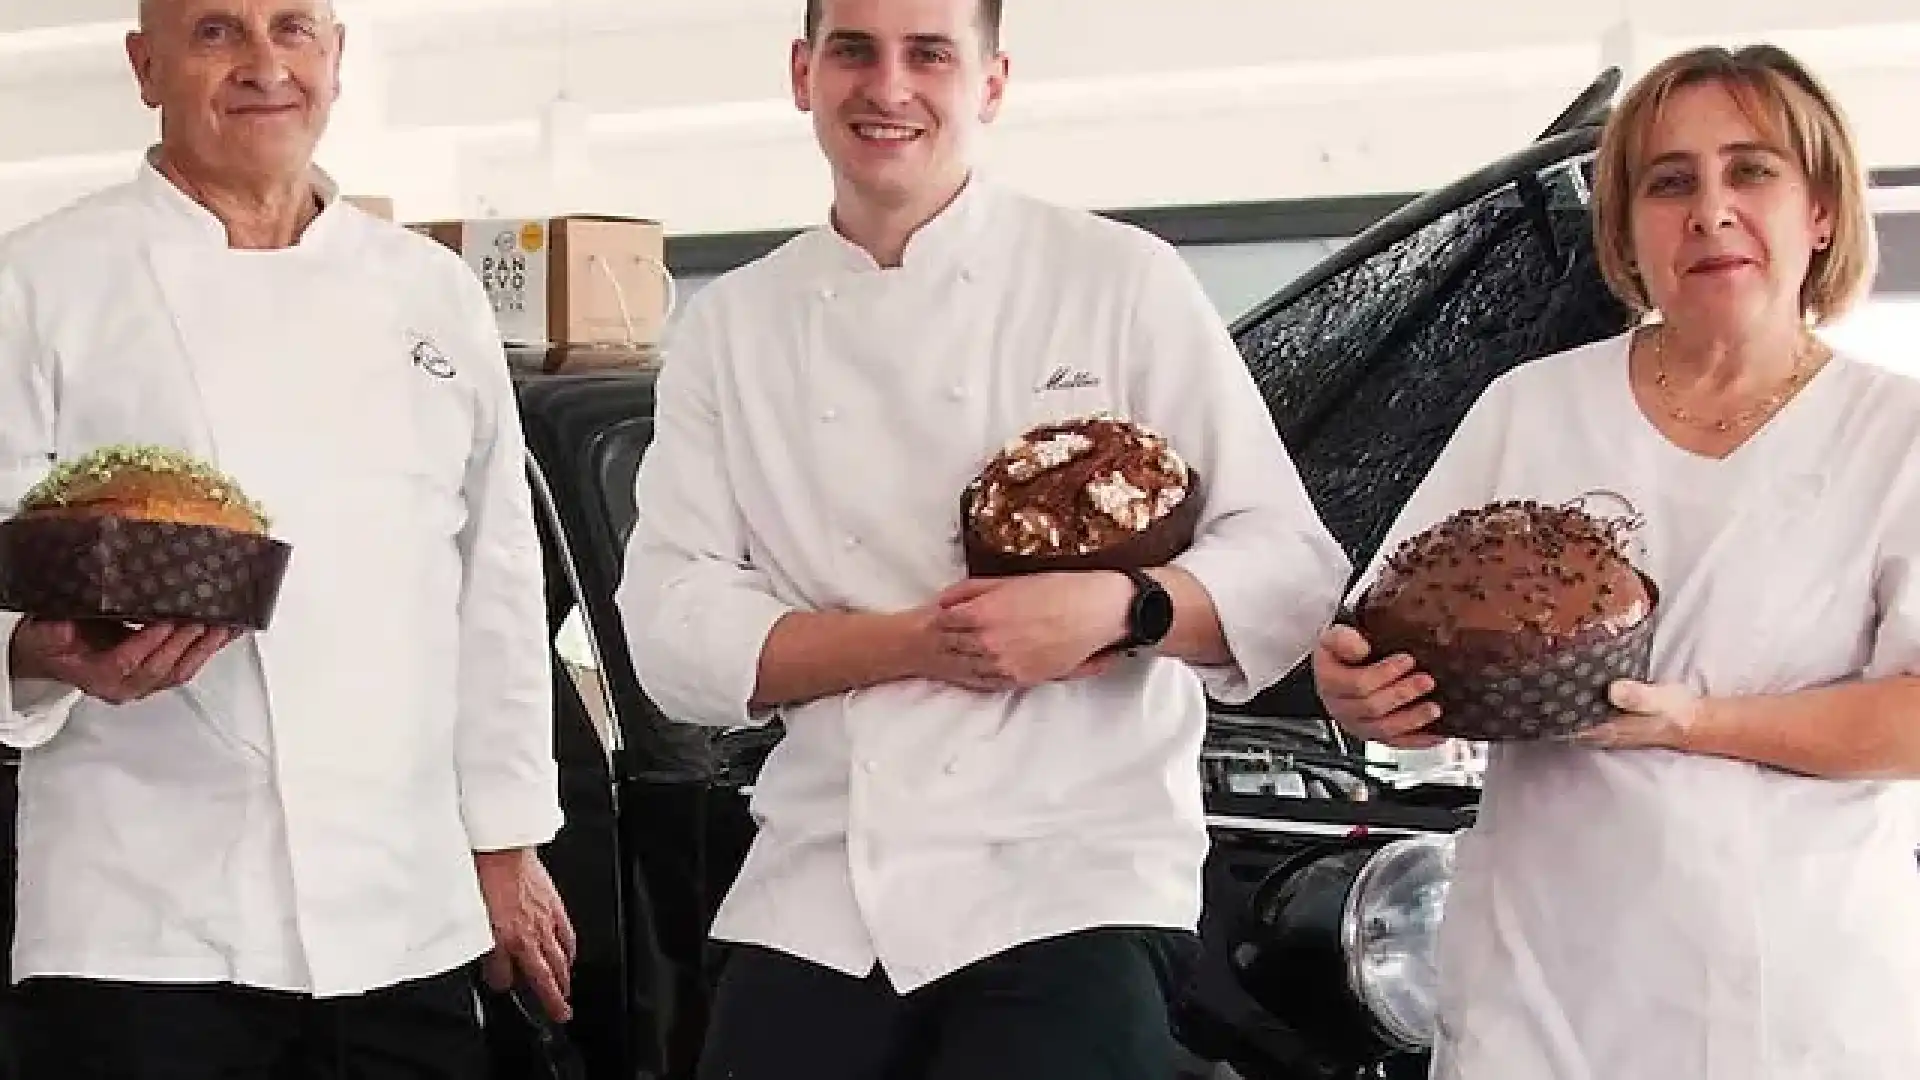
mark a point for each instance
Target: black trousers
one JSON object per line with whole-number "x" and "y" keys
{"x": 78, "y": 1029}
{"x": 1087, "y": 1006}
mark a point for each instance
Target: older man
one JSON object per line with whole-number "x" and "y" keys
{"x": 258, "y": 856}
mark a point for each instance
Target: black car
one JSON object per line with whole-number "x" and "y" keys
{"x": 1328, "y": 869}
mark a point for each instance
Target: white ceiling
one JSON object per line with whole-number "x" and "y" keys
{"x": 1154, "y": 101}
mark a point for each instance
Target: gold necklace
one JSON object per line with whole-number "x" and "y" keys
{"x": 1766, "y": 406}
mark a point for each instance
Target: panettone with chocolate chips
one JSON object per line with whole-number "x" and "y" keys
{"x": 1523, "y": 612}
{"x": 1506, "y": 583}
{"x": 1086, "y": 493}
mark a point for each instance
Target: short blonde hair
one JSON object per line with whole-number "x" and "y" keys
{"x": 1789, "y": 106}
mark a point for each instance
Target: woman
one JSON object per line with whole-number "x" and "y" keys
{"x": 1720, "y": 883}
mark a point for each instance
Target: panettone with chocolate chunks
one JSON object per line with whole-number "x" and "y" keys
{"x": 1522, "y": 612}
{"x": 1097, "y": 492}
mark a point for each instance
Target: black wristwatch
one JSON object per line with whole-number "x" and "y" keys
{"x": 1149, "y": 616}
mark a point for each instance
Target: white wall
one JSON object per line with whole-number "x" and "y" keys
{"x": 1146, "y": 102}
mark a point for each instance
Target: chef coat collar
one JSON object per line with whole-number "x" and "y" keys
{"x": 191, "y": 218}
{"x": 947, "y": 237}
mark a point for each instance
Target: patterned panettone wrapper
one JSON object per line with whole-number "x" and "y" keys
{"x": 1156, "y": 545}
{"x": 139, "y": 571}
{"x": 1554, "y": 697}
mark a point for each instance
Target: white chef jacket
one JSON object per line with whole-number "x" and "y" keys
{"x": 1649, "y": 915}
{"x": 816, "y": 419}
{"x": 302, "y": 815}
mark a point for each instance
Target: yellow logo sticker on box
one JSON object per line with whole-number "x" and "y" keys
{"x": 532, "y": 236}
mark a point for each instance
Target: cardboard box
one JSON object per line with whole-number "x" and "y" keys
{"x": 378, "y": 205}
{"x": 571, "y": 359}
{"x": 576, "y": 280}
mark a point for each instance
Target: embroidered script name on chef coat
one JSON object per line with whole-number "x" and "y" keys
{"x": 428, "y": 357}
{"x": 1066, "y": 378}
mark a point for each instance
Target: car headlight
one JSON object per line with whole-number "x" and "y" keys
{"x": 1389, "y": 931}
{"x": 1339, "y": 945}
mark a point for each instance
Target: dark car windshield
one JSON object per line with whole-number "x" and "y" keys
{"x": 1369, "y": 370}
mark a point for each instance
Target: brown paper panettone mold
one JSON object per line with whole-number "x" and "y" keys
{"x": 1523, "y": 613}
{"x": 1552, "y": 696}
{"x": 141, "y": 534}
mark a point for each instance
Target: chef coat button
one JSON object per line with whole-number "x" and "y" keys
{"x": 966, "y": 275}
{"x": 850, "y": 542}
{"x": 828, "y": 416}
{"x": 950, "y": 768}
{"x": 957, "y": 392}
{"x": 869, "y": 766}
{"x": 826, "y": 294}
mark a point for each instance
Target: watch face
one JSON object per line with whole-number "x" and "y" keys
{"x": 1153, "y": 614}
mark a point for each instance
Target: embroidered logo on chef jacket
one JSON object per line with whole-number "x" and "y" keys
{"x": 1066, "y": 378}
{"x": 428, "y": 357}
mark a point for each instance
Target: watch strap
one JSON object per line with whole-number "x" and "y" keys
{"x": 1142, "y": 583}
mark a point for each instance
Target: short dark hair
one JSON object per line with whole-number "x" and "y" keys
{"x": 989, "y": 17}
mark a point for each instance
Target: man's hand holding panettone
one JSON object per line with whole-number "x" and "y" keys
{"x": 156, "y": 657}
{"x": 1054, "y": 528}
{"x": 1020, "y": 632}
{"x": 99, "y": 534}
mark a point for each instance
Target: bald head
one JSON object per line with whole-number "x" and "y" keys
{"x": 243, "y": 88}
{"x": 151, "y": 11}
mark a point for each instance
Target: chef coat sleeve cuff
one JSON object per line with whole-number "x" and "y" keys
{"x": 32, "y": 711}
{"x": 1272, "y": 603}
{"x": 699, "y": 652}
{"x": 502, "y": 822}
{"x": 1896, "y": 637}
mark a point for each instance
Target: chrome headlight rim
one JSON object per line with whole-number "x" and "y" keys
{"x": 1386, "y": 1025}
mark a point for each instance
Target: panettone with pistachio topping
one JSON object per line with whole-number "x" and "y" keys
{"x": 139, "y": 534}
{"x": 143, "y": 483}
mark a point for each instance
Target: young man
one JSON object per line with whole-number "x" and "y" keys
{"x": 980, "y": 842}
{"x": 281, "y": 853}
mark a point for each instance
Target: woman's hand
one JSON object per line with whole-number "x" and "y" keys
{"x": 1651, "y": 717}
{"x": 1379, "y": 702}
